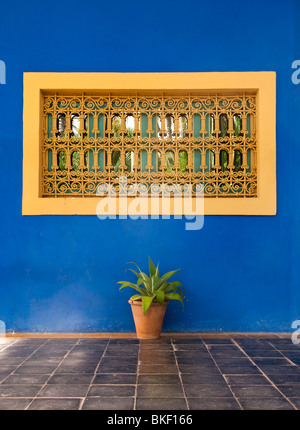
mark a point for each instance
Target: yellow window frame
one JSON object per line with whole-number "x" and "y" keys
{"x": 262, "y": 83}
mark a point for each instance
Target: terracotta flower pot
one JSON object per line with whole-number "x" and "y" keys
{"x": 148, "y": 326}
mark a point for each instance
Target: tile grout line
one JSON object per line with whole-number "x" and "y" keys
{"x": 180, "y": 378}
{"x": 217, "y": 366}
{"x": 24, "y": 361}
{"x": 3, "y": 349}
{"x": 271, "y": 382}
{"x": 288, "y": 359}
{"x": 136, "y": 380}
{"x": 93, "y": 378}
{"x": 50, "y": 375}
{"x": 7, "y": 346}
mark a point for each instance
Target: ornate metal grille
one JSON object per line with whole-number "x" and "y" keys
{"x": 91, "y": 139}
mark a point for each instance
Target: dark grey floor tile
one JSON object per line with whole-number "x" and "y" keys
{"x": 221, "y": 403}
{"x": 157, "y": 368}
{"x": 196, "y": 361}
{"x": 290, "y": 354}
{"x": 111, "y": 361}
{"x": 255, "y": 391}
{"x": 80, "y": 364}
{"x": 160, "y": 360}
{"x": 18, "y": 351}
{"x": 154, "y": 355}
{"x": 277, "y": 340}
{"x": 217, "y": 341}
{"x": 14, "y": 404}
{"x": 271, "y": 361}
{"x": 190, "y": 347}
{"x": 11, "y": 361}
{"x": 207, "y": 390}
{"x": 122, "y": 403}
{"x": 295, "y": 361}
{"x": 61, "y": 349}
{"x": 160, "y": 404}
{"x": 124, "y": 347}
{"x": 279, "y": 370}
{"x": 93, "y": 342}
{"x": 32, "y": 341}
{"x": 32, "y": 370}
{"x": 41, "y": 355}
{"x": 202, "y": 378}
{"x": 251, "y": 341}
{"x": 221, "y": 353}
{"x": 80, "y": 355}
{"x": 75, "y": 369}
{"x": 296, "y": 402}
{"x": 265, "y": 404}
{"x": 272, "y": 353}
{"x": 62, "y": 341}
{"x": 26, "y": 379}
{"x": 112, "y": 391}
{"x": 13, "y": 390}
{"x": 42, "y": 362}
{"x": 115, "y": 378}
{"x": 7, "y": 368}
{"x": 117, "y": 369}
{"x": 124, "y": 341}
{"x": 192, "y": 354}
{"x": 199, "y": 369}
{"x": 247, "y": 380}
{"x": 149, "y": 347}
{"x": 223, "y": 348}
{"x": 285, "y": 379}
{"x": 256, "y": 348}
{"x": 157, "y": 342}
{"x": 74, "y": 378}
{"x": 89, "y": 349}
{"x": 121, "y": 353}
{"x": 4, "y": 375}
{"x": 160, "y": 390}
{"x": 239, "y": 370}
{"x": 55, "y": 404}
{"x": 290, "y": 390}
{"x": 240, "y": 362}
{"x": 158, "y": 379}
{"x": 287, "y": 347}
{"x": 187, "y": 341}
{"x": 64, "y": 390}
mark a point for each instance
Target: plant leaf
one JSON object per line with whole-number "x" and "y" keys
{"x": 160, "y": 297}
{"x": 163, "y": 279}
{"x": 131, "y": 285}
{"x": 136, "y": 297}
{"x": 146, "y": 303}
{"x": 133, "y": 271}
{"x": 175, "y": 296}
{"x": 145, "y": 278}
{"x": 152, "y": 268}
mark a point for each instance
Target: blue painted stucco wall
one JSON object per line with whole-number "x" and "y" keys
{"x": 59, "y": 273}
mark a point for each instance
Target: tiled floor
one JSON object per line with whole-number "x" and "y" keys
{"x": 167, "y": 374}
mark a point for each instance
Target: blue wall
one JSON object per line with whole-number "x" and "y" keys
{"x": 59, "y": 273}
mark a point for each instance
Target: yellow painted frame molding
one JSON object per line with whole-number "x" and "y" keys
{"x": 263, "y": 83}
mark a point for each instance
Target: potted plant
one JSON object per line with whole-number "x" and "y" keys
{"x": 149, "y": 305}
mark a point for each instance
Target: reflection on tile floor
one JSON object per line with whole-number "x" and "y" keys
{"x": 173, "y": 373}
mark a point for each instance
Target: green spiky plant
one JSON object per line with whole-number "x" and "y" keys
{"x": 154, "y": 288}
